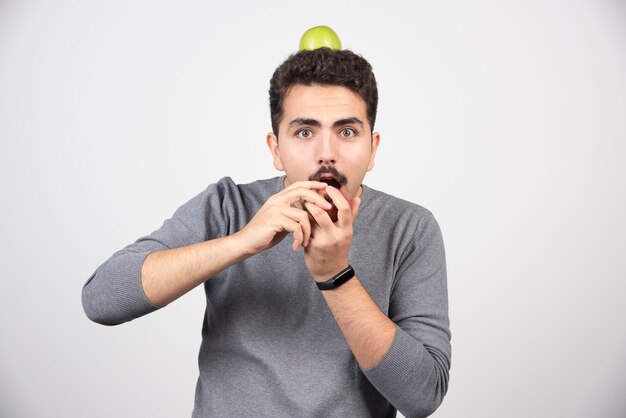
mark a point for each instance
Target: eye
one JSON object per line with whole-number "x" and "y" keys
{"x": 304, "y": 133}
{"x": 347, "y": 133}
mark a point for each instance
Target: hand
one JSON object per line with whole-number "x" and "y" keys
{"x": 327, "y": 251}
{"x": 278, "y": 217}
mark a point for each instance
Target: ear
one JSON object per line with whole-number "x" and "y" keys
{"x": 272, "y": 144}
{"x": 375, "y": 144}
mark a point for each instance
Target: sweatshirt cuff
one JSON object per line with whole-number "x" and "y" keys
{"x": 406, "y": 377}
{"x": 128, "y": 291}
{"x": 397, "y": 364}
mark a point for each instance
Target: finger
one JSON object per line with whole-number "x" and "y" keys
{"x": 305, "y": 195}
{"x": 316, "y": 185}
{"x": 302, "y": 218}
{"x": 319, "y": 215}
{"x": 344, "y": 211}
{"x": 293, "y": 227}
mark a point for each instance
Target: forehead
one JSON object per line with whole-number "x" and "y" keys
{"x": 323, "y": 102}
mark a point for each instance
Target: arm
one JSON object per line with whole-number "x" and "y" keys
{"x": 188, "y": 250}
{"x": 406, "y": 356}
{"x": 420, "y": 355}
{"x": 411, "y": 375}
{"x": 115, "y": 294}
{"x": 168, "y": 274}
{"x": 367, "y": 330}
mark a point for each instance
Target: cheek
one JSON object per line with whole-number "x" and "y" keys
{"x": 355, "y": 174}
{"x": 296, "y": 159}
{"x": 358, "y": 156}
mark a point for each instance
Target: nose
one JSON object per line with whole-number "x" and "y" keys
{"x": 326, "y": 150}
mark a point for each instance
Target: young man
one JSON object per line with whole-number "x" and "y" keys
{"x": 349, "y": 317}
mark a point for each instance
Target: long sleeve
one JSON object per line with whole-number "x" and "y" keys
{"x": 114, "y": 294}
{"x": 413, "y": 374}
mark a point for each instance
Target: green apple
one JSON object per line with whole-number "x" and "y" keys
{"x": 319, "y": 37}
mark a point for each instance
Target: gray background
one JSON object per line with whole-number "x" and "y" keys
{"x": 507, "y": 119}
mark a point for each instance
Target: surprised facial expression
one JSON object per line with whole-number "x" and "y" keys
{"x": 324, "y": 135}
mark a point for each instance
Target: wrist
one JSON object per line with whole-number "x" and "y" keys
{"x": 329, "y": 272}
{"x": 238, "y": 244}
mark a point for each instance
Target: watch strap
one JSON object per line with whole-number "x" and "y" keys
{"x": 339, "y": 279}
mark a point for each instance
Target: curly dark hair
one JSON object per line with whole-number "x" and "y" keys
{"x": 323, "y": 66}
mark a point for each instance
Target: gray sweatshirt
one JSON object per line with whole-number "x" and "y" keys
{"x": 270, "y": 346}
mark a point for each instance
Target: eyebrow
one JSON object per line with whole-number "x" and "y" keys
{"x": 304, "y": 121}
{"x": 314, "y": 122}
{"x": 348, "y": 121}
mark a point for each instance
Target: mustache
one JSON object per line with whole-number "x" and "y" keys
{"x": 329, "y": 169}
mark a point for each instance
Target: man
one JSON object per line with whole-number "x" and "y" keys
{"x": 290, "y": 328}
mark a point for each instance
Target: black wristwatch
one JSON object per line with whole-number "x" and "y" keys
{"x": 339, "y": 279}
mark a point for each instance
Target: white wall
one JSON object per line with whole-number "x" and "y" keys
{"x": 506, "y": 118}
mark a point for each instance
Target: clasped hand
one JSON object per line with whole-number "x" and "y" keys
{"x": 301, "y": 210}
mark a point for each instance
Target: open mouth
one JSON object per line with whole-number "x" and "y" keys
{"x": 330, "y": 176}
{"x": 331, "y": 182}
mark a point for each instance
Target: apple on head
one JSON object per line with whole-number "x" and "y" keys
{"x": 320, "y": 37}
